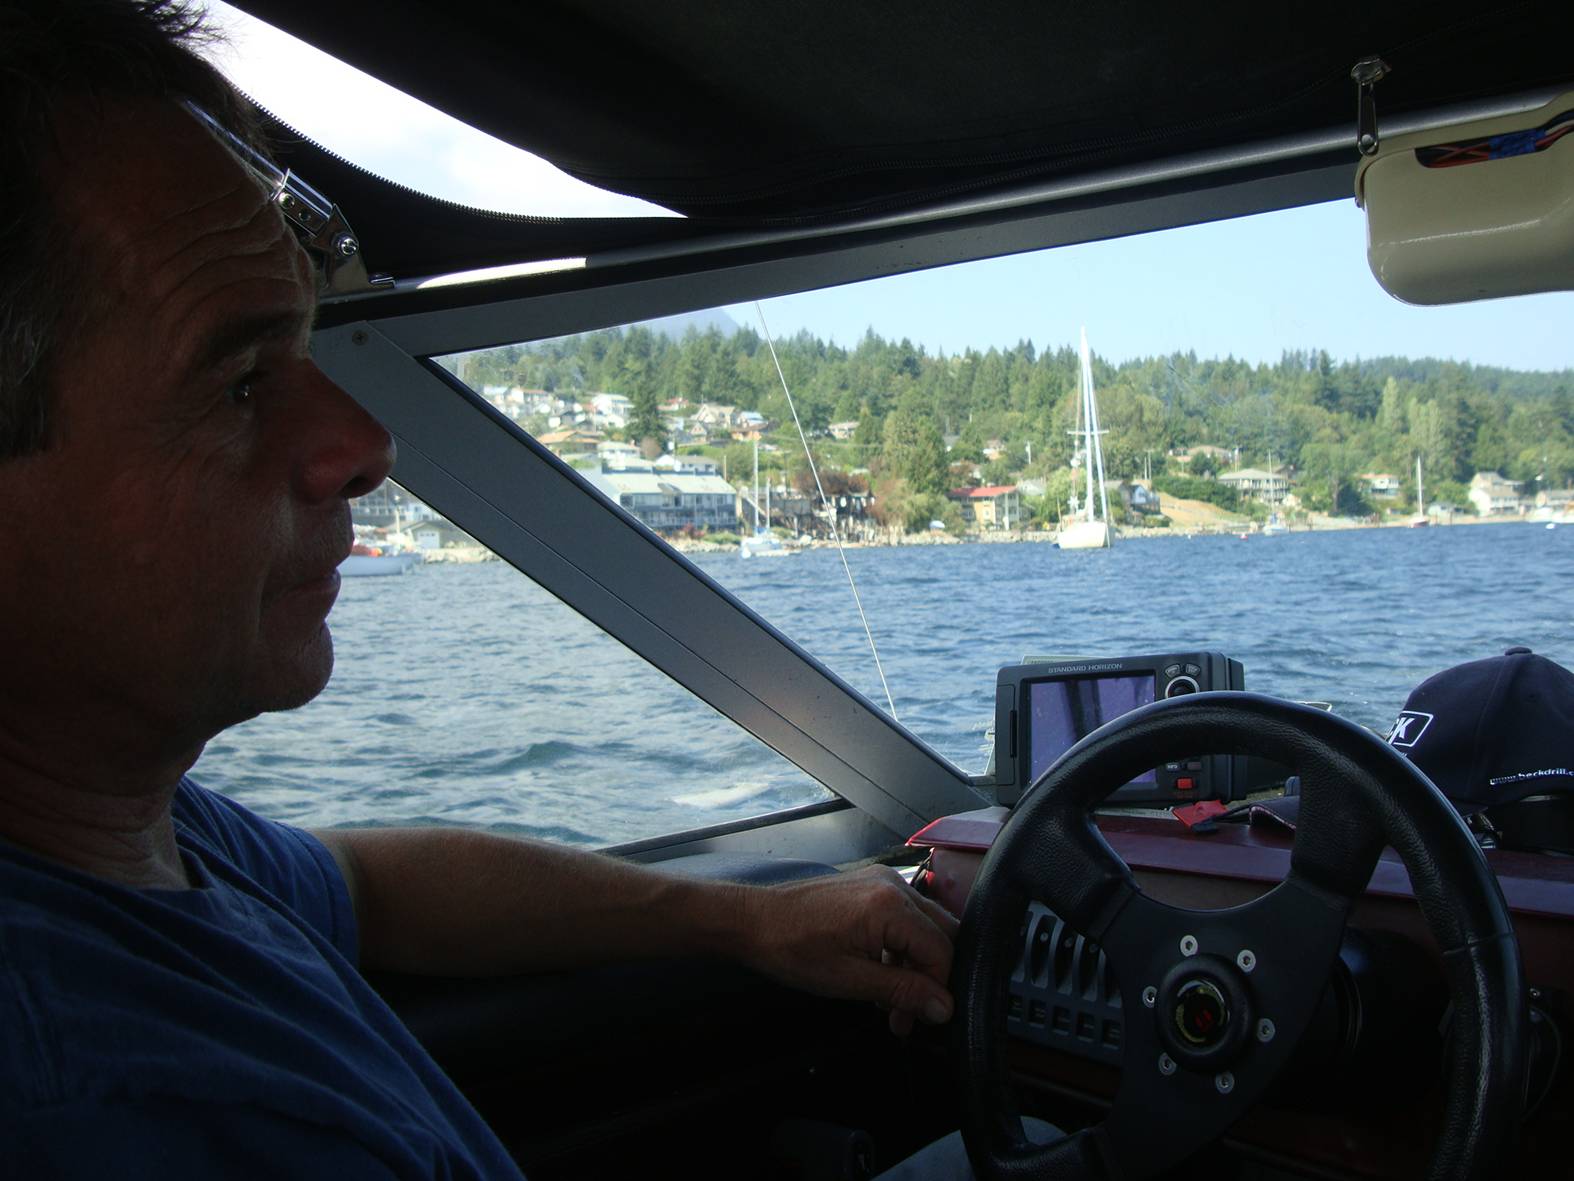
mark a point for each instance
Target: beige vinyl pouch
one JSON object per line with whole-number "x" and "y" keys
{"x": 1477, "y": 211}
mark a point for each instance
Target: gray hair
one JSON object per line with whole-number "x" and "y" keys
{"x": 100, "y": 50}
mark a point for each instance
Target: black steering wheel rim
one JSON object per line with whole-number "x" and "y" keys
{"x": 1358, "y": 794}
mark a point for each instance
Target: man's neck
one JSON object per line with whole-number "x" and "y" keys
{"x": 109, "y": 823}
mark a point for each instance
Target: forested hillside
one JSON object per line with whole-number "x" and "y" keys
{"x": 1329, "y": 420}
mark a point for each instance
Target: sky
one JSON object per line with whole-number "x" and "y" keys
{"x": 1249, "y": 288}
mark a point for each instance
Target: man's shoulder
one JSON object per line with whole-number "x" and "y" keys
{"x": 87, "y": 964}
{"x": 221, "y": 822}
{"x": 227, "y": 827}
{"x": 109, "y": 992}
{"x": 286, "y": 864}
{"x": 78, "y": 969}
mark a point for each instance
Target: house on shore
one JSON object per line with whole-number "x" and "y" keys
{"x": 994, "y": 506}
{"x": 437, "y": 534}
{"x": 669, "y": 502}
{"x": 1555, "y": 501}
{"x": 691, "y": 465}
{"x": 610, "y": 411}
{"x": 1493, "y": 495}
{"x": 1182, "y": 456}
{"x": 388, "y": 506}
{"x": 570, "y": 441}
{"x": 1256, "y": 484}
{"x": 1381, "y": 485}
{"x": 614, "y": 454}
{"x": 1138, "y": 497}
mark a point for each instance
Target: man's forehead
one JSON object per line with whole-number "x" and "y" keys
{"x": 152, "y": 191}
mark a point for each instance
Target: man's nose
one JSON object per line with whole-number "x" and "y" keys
{"x": 347, "y": 452}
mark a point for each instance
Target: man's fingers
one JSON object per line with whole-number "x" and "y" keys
{"x": 942, "y": 917}
{"x": 902, "y": 990}
{"x": 915, "y": 937}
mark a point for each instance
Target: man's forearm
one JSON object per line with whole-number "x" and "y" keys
{"x": 464, "y": 903}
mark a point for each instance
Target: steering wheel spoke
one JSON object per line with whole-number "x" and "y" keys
{"x": 1214, "y": 1003}
{"x": 1070, "y": 867}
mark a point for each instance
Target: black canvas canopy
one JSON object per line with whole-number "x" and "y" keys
{"x": 805, "y": 112}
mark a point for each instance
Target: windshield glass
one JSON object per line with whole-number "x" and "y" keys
{"x": 1344, "y": 493}
{"x": 1272, "y": 431}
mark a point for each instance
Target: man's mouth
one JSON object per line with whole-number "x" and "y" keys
{"x": 325, "y": 578}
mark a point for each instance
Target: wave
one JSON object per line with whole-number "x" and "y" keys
{"x": 537, "y": 754}
{"x": 723, "y": 797}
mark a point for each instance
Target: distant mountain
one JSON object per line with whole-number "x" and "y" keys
{"x": 674, "y": 327}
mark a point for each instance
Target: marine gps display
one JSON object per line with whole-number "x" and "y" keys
{"x": 1044, "y": 707}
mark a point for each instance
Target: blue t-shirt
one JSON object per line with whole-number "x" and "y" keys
{"x": 220, "y": 1031}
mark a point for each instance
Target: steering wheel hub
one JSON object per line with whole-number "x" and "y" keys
{"x": 1201, "y": 1013}
{"x": 1204, "y": 1012}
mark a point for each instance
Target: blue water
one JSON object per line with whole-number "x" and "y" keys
{"x": 466, "y": 695}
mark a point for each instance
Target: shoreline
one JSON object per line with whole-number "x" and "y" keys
{"x": 1038, "y": 537}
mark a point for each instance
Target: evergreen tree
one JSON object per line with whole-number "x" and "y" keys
{"x": 645, "y": 422}
{"x": 912, "y": 449}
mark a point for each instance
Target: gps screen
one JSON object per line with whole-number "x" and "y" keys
{"x": 1061, "y": 712}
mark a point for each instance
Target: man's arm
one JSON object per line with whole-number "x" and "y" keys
{"x": 456, "y": 902}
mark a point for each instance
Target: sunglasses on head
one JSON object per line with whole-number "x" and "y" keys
{"x": 321, "y": 228}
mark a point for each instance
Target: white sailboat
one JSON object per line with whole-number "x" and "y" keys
{"x": 1419, "y": 520}
{"x": 1088, "y": 528}
{"x": 762, "y": 543}
{"x": 1275, "y": 525}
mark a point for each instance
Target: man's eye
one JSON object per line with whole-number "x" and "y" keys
{"x": 240, "y": 392}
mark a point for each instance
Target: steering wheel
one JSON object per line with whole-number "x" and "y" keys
{"x": 1214, "y": 1002}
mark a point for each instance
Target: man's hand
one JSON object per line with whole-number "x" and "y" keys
{"x": 865, "y": 935}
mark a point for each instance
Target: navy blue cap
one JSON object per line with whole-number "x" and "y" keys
{"x": 1492, "y": 731}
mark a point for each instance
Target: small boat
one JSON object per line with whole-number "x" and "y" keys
{"x": 366, "y": 561}
{"x": 1273, "y": 527}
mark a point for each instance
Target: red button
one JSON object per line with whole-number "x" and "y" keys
{"x": 1185, "y": 783}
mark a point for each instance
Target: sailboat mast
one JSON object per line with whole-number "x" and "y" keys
{"x": 1420, "y": 492}
{"x": 1082, "y": 401}
{"x": 756, "y": 485}
{"x": 1098, "y": 450}
{"x": 1089, "y": 438}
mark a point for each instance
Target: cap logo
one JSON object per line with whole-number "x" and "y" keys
{"x": 1408, "y": 728}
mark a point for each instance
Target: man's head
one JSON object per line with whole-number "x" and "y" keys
{"x": 175, "y": 469}
{"x": 98, "y": 51}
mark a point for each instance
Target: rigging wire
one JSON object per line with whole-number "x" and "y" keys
{"x": 825, "y": 502}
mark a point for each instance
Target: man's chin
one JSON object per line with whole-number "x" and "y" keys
{"x": 290, "y": 684}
